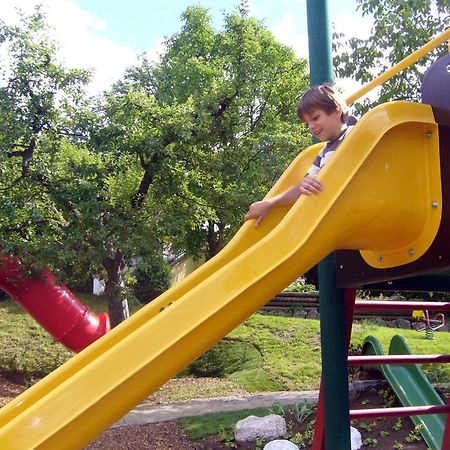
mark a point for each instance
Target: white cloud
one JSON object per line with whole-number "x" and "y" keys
{"x": 353, "y": 25}
{"x": 81, "y": 46}
{"x": 287, "y": 32}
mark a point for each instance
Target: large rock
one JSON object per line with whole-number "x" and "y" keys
{"x": 252, "y": 428}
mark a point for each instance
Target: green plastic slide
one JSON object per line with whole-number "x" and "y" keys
{"x": 411, "y": 387}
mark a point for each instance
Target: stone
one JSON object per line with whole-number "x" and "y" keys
{"x": 313, "y": 314}
{"x": 403, "y": 323}
{"x": 267, "y": 427}
{"x": 280, "y": 444}
{"x": 355, "y": 437}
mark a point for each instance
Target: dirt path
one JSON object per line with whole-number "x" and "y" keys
{"x": 164, "y": 412}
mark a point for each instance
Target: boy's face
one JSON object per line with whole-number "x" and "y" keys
{"x": 325, "y": 127}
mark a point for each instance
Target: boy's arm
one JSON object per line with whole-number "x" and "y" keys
{"x": 259, "y": 210}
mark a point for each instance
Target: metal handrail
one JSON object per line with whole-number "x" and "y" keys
{"x": 403, "y": 64}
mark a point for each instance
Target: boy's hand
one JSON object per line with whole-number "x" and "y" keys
{"x": 310, "y": 185}
{"x": 258, "y": 211}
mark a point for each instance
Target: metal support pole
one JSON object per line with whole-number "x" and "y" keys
{"x": 334, "y": 358}
{"x": 319, "y": 42}
{"x": 336, "y": 417}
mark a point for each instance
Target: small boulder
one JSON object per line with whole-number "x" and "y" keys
{"x": 267, "y": 427}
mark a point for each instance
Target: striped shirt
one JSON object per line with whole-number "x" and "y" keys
{"x": 327, "y": 152}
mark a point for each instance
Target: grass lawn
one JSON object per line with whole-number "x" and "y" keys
{"x": 265, "y": 353}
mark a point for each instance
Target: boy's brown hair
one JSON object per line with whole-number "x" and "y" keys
{"x": 322, "y": 97}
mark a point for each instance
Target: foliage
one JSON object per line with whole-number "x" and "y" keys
{"x": 170, "y": 155}
{"x": 152, "y": 279}
{"x": 301, "y": 286}
{"x": 399, "y": 28}
{"x": 301, "y": 411}
{"x": 36, "y": 91}
{"x": 414, "y": 435}
{"x": 236, "y": 130}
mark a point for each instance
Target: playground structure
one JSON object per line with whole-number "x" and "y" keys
{"x": 424, "y": 323}
{"x": 411, "y": 386}
{"x": 384, "y": 198}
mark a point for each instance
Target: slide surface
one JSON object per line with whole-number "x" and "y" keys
{"x": 411, "y": 387}
{"x": 52, "y": 305}
{"x": 377, "y": 194}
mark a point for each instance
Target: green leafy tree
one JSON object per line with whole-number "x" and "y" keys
{"x": 173, "y": 153}
{"x": 35, "y": 89}
{"x": 233, "y": 128}
{"x": 399, "y": 28}
{"x": 36, "y": 94}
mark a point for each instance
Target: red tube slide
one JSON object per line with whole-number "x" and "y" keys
{"x": 53, "y": 306}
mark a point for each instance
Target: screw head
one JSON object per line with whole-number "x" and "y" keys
{"x": 434, "y": 204}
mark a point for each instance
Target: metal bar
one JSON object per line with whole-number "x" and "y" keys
{"x": 334, "y": 351}
{"x": 403, "y": 64}
{"x": 397, "y": 359}
{"x": 403, "y": 306}
{"x": 399, "y": 411}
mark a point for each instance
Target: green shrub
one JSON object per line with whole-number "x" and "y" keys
{"x": 152, "y": 279}
{"x": 300, "y": 285}
{"x": 226, "y": 357}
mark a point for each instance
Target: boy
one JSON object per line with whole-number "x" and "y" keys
{"x": 326, "y": 115}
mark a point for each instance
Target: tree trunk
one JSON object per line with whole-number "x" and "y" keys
{"x": 215, "y": 238}
{"x": 117, "y": 303}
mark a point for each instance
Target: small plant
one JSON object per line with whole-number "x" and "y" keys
{"x": 302, "y": 411}
{"x": 299, "y": 440}
{"x": 368, "y": 427}
{"x": 370, "y": 442}
{"x": 278, "y": 409}
{"x": 398, "y": 425}
{"x": 414, "y": 435}
{"x": 398, "y": 446}
{"x": 259, "y": 443}
{"x": 384, "y": 433}
{"x": 226, "y": 436}
{"x": 387, "y": 396}
{"x": 365, "y": 402}
{"x": 302, "y": 439}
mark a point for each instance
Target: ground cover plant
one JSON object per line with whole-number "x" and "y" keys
{"x": 248, "y": 358}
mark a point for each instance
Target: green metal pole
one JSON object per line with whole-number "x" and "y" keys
{"x": 331, "y": 300}
{"x": 319, "y": 42}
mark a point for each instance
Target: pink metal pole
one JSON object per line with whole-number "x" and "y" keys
{"x": 399, "y": 411}
{"x": 397, "y": 359}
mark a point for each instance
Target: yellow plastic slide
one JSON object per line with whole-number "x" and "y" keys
{"x": 381, "y": 195}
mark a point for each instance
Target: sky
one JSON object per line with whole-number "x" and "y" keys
{"x": 108, "y": 35}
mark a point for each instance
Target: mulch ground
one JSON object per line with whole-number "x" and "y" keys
{"x": 381, "y": 433}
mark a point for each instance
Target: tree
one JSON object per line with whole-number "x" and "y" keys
{"x": 36, "y": 93}
{"x": 238, "y": 88}
{"x": 400, "y": 27}
{"x": 34, "y": 89}
{"x": 172, "y": 154}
